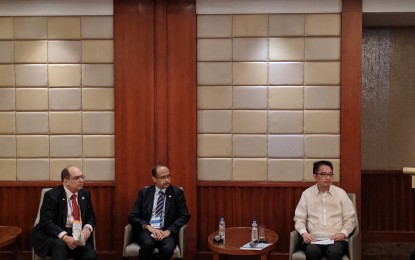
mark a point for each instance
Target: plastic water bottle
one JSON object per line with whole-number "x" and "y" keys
{"x": 222, "y": 228}
{"x": 254, "y": 232}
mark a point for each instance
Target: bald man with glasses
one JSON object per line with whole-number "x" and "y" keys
{"x": 324, "y": 212}
{"x": 67, "y": 220}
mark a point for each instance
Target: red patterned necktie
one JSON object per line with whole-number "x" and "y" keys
{"x": 75, "y": 209}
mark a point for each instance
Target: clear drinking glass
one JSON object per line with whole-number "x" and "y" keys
{"x": 261, "y": 234}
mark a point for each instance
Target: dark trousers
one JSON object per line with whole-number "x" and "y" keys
{"x": 412, "y": 255}
{"x": 60, "y": 251}
{"x": 148, "y": 244}
{"x": 331, "y": 252}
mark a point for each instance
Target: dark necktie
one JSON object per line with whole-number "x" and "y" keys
{"x": 75, "y": 209}
{"x": 160, "y": 204}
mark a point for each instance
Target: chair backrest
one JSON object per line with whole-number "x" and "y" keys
{"x": 352, "y": 197}
{"x": 42, "y": 195}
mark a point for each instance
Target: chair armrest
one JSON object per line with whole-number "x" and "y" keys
{"x": 94, "y": 241}
{"x": 354, "y": 243}
{"x": 183, "y": 240}
{"x": 128, "y": 235}
{"x": 295, "y": 242}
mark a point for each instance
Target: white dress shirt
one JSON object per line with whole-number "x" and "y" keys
{"x": 69, "y": 215}
{"x": 323, "y": 214}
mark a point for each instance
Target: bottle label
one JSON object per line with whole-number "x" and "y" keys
{"x": 76, "y": 229}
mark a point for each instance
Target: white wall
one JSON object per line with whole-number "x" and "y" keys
{"x": 298, "y": 6}
{"x": 55, "y": 7}
{"x": 267, "y": 6}
{"x": 388, "y": 6}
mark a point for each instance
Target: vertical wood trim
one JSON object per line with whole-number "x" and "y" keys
{"x": 351, "y": 77}
{"x": 134, "y": 105}
{"x": 351, "y": 114}
{"x": 181, "y": 134}
{"x": 161, "y": 82}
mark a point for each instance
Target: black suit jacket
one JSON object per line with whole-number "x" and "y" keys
{"x": 53, "y": 217}
{"x": 176, "y": 212}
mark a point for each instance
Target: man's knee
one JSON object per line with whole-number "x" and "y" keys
{"x": 336, "y": 250}
{"x": 88, "y": 252}
{"x": 313, "y": 255}
{"x": 313, "y": 252}
{"x": 90, "y": 256}
{"x": 333, "y": 255}
{"x": 167, "y": 249}
{"x": 58, "y": 249}
{"x": 147, "y": 245}
{"x": 58, "y": 244}
{"x": 168, "y": 246}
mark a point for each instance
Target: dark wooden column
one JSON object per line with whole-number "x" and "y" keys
{"x": 134, "y": 106}
{"x": 351, "y": 78}
{"x": 181, "y": 105}
{"x": 175, "y": 104}
{"x": 155, "y": 95}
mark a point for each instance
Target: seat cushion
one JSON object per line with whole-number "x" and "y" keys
{"x": 300, "y": 255}
{"x": 133, "y": 248}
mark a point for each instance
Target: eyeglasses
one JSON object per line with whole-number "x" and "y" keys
{"x": 77, "y": 178}
{"x": 165, "y": 177}
{"x": 326, "y": 174}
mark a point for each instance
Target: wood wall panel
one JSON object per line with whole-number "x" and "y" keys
{"x": 271, "y": 206}
{"x": 104, "y": 203}
{"x": 20, "y": 203}
{"x": 161, "y": 81}
{"x": 134, "y": 105}
{"x": 351, "y": 78}
{"x": 389, "y": 207}
{"x": 350, "y": 112}
{"x": 181, "y": 78}
{"x": 19, "y": 207}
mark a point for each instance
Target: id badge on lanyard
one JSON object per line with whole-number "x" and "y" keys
{"x": 155, "y": 222}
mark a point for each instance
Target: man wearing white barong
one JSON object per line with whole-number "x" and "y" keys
{"x": 324, "y": 212}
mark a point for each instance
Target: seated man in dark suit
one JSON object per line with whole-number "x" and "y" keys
{"x": 158, "y": 214}
{"x": 66, "y": 214}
